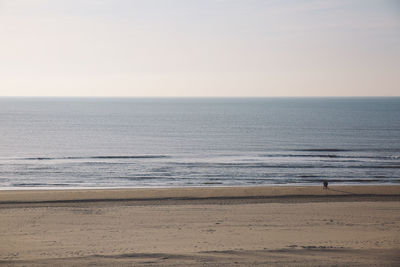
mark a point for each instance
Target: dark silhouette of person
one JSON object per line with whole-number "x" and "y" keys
{"x": 325, "y": 184}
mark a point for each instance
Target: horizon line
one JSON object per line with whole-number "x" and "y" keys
{"x": 49, "y": 96}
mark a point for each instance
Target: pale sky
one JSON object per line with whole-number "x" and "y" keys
{"x": 199, "y": 48}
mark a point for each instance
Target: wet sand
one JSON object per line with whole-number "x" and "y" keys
{"x": 232, "y": 226}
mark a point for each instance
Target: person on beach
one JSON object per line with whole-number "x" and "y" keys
{"x": 325, "y": 184}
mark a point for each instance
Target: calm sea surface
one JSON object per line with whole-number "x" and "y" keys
{"x": 144, "y": 142}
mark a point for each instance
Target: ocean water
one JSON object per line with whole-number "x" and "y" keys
{"x": 162, "y": 142}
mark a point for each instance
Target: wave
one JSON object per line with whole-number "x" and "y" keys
{"x": 272, "y": 155}
{"x": 387, "y": 149}
{"x": 99, "y": 157}
{"x": 392, "y": 157}
{"x": 283, "y": 166}
{"x": 323, "y": 150}
{"x": 39, "y": 184}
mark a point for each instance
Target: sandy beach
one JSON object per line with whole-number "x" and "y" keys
{"x": 227, "y": 226}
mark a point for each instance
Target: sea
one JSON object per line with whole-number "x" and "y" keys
{"x": 179, "y": 142}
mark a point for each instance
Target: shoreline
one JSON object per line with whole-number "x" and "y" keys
{"x": 210, "y": 185}
{"x": 210, "y": 194}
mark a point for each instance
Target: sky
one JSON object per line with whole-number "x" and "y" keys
{"x": 206, "y": 48}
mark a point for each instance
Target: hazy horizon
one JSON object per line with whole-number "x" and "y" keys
{"x": 210, "y": 48}
{"x": 200, "y": 97}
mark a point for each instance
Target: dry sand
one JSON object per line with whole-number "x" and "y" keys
{"x": 245, "y": 226}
